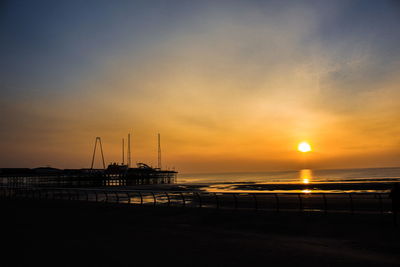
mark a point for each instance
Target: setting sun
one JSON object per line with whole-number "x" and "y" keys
{"x": 304, "y": 147}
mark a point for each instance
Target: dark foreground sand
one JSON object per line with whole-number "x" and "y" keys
{"x": 38, "y": 233}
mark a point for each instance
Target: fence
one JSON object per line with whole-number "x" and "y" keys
{"x": 276, "y": 202}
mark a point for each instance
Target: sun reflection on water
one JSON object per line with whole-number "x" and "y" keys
{"x": 305, "y": 176}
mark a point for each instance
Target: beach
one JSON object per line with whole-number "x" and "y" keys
{"x": 361, "y": 180}
{"x": 62, "y": 233}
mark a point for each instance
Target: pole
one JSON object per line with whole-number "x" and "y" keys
{"x": 159, "y": 152}
{"x": 129, "y": 150}
{"x": 123, "y": 152}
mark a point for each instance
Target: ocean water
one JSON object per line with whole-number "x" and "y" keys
{"x": 306, "y": 180}
{"x": 300, "y": 176}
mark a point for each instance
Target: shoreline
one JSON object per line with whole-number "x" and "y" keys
{"x": 254, "y": 187}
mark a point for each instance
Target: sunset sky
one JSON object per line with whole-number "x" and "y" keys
{"x": 230, "y": 85}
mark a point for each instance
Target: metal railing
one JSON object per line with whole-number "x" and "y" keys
{"x": 276, "y": 202}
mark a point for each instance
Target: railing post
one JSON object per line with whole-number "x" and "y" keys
{"x": 183, "y": 200}
{"x": 255, "y": 201}
{"x": 116, "y": 196}
{"x": 169, "y": 201}
{"x": 105, "y": 192}
{"x": 216, "y": 201}
{"x": 325, "y": 203}
{"x": 300, "y": 202}
{"x": 65, "y": 194}
{"x": 380, "y": 203}
{"x": 199, "y": 197}
{"x": 351, "y": 203}
{"x": 277, "y": 202}
{"x": 154, "y": 198}
{"x": 141, "y": 199}
{"x": 235, "y": 200}
{"x": 129, "y": 197}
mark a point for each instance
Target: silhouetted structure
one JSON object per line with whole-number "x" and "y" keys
{"x": 114, "y": 175}
{"x": 98, "y": 140}
{"x": 159, "y": 153}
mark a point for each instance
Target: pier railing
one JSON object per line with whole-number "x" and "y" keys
{"x": 273, "y": 202}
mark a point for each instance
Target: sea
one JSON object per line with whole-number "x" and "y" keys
{"x": 305, "y": 180}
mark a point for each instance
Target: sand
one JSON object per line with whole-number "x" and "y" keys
{"x": 97, "y": 234}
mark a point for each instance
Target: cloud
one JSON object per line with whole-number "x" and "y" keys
{"x": 243, "y": 83}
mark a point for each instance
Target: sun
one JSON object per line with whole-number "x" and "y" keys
{"x": 304, "y": 147}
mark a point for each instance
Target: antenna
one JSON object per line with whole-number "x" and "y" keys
{"x": 159, "y": 152}
{"x": 123, "y": 152}
{"x": 94, "y": 152}
{"x": 129, "y": 150}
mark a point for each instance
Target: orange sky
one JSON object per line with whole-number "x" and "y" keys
{"x": 228, "y": 89}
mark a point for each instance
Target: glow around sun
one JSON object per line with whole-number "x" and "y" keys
{"x": 304, "y": 147}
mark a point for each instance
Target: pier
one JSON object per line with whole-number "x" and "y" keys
{"x": 114, "y": 175}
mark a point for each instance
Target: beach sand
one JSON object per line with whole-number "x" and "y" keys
{"x": 38, "y": 233}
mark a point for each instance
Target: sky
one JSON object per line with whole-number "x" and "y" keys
{"x": 231, "y": 86}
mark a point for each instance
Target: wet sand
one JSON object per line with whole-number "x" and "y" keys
{"x": 350, "y": 187}
{"x": 98, "y": 234}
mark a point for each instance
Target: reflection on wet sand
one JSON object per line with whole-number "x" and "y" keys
{"x": 306, "y": 191}
{"x": 378, "y": 180}
{"x": 305, "y": 176}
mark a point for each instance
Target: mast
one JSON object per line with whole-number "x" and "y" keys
{"x": 123, "y": 152}
{"x": 129, "y": 150}
{"x": 159, "y": 152}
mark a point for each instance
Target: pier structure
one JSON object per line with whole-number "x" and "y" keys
{"x": 114, "y": 175}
